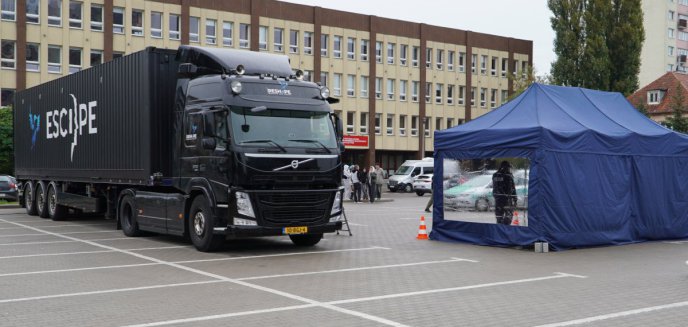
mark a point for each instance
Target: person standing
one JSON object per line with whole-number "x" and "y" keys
{"x": 380, "y": 179}
{"x": 346, "y": 182}
{"x": 357, "y": 184}
{"x": 504, "y": 193}
{"x": 363, "y": 178}
{"x": 372, "y": 177}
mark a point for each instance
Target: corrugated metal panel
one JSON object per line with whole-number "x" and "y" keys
{"x": 99, "y": 124}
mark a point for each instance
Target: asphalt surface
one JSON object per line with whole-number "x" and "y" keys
{"x": 83, "y": 272}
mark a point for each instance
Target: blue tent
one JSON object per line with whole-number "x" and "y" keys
{"x": 601, "y": 172}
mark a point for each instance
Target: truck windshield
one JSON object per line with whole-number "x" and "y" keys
{"x": 283, "y": 128}
{"x": 404, "y": 170}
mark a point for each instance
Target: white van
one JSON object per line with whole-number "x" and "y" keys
{"x": 402, "y": 180}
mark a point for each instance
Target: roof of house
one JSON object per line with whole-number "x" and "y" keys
{"x": 667, "y": 83}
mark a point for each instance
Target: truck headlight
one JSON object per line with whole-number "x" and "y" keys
{"x": 337, "y": 203}
{"x": 244, "y": 222}
{"x": 244, "y": 204}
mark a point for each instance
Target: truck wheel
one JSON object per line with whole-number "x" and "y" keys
{"x": 201, "y": 226}
{"x": 55, "y": 211}
{"x": 29, "y": 199}
{"x": 306, "y": 240}
{"x": 42, "y": 200}
{"x": 127, "y": 216}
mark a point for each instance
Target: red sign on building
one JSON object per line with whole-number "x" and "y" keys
{"x": 352, "y": 140}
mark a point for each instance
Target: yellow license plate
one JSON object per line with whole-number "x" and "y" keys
{"x": 296, "y": 230}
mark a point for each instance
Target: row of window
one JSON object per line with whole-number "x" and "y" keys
{"x": 6, "y": 96}
{"x": 33, "y": 58}
{"x": 393, "y": 121}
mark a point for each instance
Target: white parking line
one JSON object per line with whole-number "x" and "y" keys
{"x": 69, "y": 241}
{"x": 77, "y": 269}
{"x": 88, "y": 252}
{"x": 676, "y": 242}
{"x": 617, "y": 315}
{"x": 282, "y": 254}
{"x": 68, "y": 233}
{"x": 59, "y": 226}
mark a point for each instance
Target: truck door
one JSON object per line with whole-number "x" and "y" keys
{"x": 213, "y": 163}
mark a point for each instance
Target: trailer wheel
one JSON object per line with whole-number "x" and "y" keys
{"x": 55, "y": 211}
{"x": 306, "y": 240}
{"x": 42, "y": 200}
{"x": 201, "y": 226}
{"x": 127, "y": 216}
{"x": 29, "y": 199}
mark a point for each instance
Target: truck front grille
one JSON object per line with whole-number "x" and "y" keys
{"x": 289, "y": 208}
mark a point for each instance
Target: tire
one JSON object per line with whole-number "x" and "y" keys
{"x": 30, "y": 199}
{"x": 408, "y": 188}
{"x": 393, "y": 190}
{"x": 420, "y": 193}
{"x": 482, "y": 204}
{"x": 42, "y": 200}
{"x": 127, "y": 213}
{"x": 306, "y": 240}
{"x": 56, "y": 212}
{"x": 201, "y": 226}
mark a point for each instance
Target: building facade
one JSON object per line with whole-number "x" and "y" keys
{"x": 660, "y": 96}
{"x": 665, "y": 48}
{"x": 398, "y": 81}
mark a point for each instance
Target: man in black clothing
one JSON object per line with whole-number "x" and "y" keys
{"x": 504, "y": 193}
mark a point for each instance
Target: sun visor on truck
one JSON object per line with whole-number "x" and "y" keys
{"x": 229, "y": 59}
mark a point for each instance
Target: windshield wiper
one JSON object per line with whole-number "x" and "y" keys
{"x": 265, "y": 141}
{"x": 313, "y": 141}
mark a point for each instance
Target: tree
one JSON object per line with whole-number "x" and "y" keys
{"x": 522, "y": 81}
{"x": 642, "y": 108}
{"x": 677, "y": 122}
{"x": 598, "y": 43}
{"x": 6, "y": 141}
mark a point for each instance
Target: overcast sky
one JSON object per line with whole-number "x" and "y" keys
{"x": 523, "y": 19}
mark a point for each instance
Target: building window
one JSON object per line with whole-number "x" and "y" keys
{"x": 472, "y": 96}
{"x": 378, "y": 129}
{"x": 54, "y": 59}
{"x": 118, "y": 20}
{"x": 426, "y": 125}
{"x": 278, "y": 40}
{"x": 403, "y": 54}
{"x": 364, "y": 86}
{"x": 483, "y": 65}
{"x": 415, "y": 56}
{"x": 483, "y": 97}
{"x": 210, "y": 31}
{"x": 670, "y": 67}
{"x": 515, "y": 67}
{"x": 365, "y": 44}
{"x": 9, "y": 10}
{"x": 323, "y": 78}
{"x": 227, "y": 31}
{"x": 74, "y": 60}
{"x": 493, "y": 66}
{"x": 524, "y": 68}
{"x": 193, "y": 29}
{"x": 415, "y": 86}
{"x": 351, "y": 85}
{"x": 156, "y": 24}
{"x": 363, "y": 123}
{"x": 474, "y": 61}
{"x": 55, "y": 12}
{"x": 505, "y": 62}
{"x": 293, "y": 41}
{"x": 462, "y": 61}
{"x": 117, "y": 54}
{"x": 505, "y": 96}
{"x": 655, "y": 96}
{"x": 378, "y": 88}
{"x": 403, "y": 85}
{"x": 378, "y": 52}
{"x": 351, "y": 48}
{"x": 324, "y": 44}
{"x": 428, "y": 91}
{"x": 32, "y": 57}
{"x": 390, "y": 124}
{"x": 683, "y": 36}
{"x": 337, "y": 46}
{"x": 350, "y": 119}
{"x": 75, "y": 14}
{"x": 137, "y": 22}
{"x": 440, "y": 59}
{"x": 402, "y": 125}
{"x": 462, "y": 94}
{"x": 8, "y": 57}
{"x": 670, "y": 51}
{"x": 308, "y": 43}
{"x": 450, "y": 122}
{"x": 450, "y": 94}
{"x": 244, "y": 36}
{"x": 670, "y": 33}
{"x": 450, "y": 61}
{"x": 96, "y": 57}
{"x": 33, "y": 8}
{"x": 174, "y": 27}
{"x": 414, "y": 125}
{"x": 438, "y": 123}
{"x": 307, "y": 75}
{"x": 493, "y": 98}
{"x": 337, "y": 84}
{"x": 6, "y": 97}
{"x": 262, "y": 37}
{"x": 670, "y": 15}
{"x": 390, "y": 53}
{"x": 390, "y": 89}
{"x": 428, "y": 58}
{"x": 438, "y": 93}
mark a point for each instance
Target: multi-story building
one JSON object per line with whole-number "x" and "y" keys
{"x": 398, "y": 81}
{"x": 666, "y": 39}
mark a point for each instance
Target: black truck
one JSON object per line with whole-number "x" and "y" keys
{"x": 205, "y": 143}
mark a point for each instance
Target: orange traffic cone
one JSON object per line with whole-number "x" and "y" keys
{"x": 515, "y": 222}
{"x": 422, "y": 232}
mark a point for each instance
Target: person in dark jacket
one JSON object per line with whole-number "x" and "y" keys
{"x": 363, "y": 178}
{"x": 504, "y": 193}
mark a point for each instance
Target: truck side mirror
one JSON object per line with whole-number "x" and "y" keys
{"x": 208, "y": 143}
{"x": 187, "y": 70}
{"x": 209, "y": 124}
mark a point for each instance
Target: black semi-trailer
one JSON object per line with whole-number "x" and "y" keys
{"x": 205, "y": 142}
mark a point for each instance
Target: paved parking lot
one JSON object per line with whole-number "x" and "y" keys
{"x": 82, "y": 272}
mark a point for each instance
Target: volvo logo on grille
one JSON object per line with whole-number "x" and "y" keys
{"x": 294, "y": 164}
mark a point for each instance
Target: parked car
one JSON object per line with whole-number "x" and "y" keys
{"x": 403, "y": 178}
{"x": 476, "y": 193}
{"x": 422, "y": 184}
{"x": 8, "y": 188}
